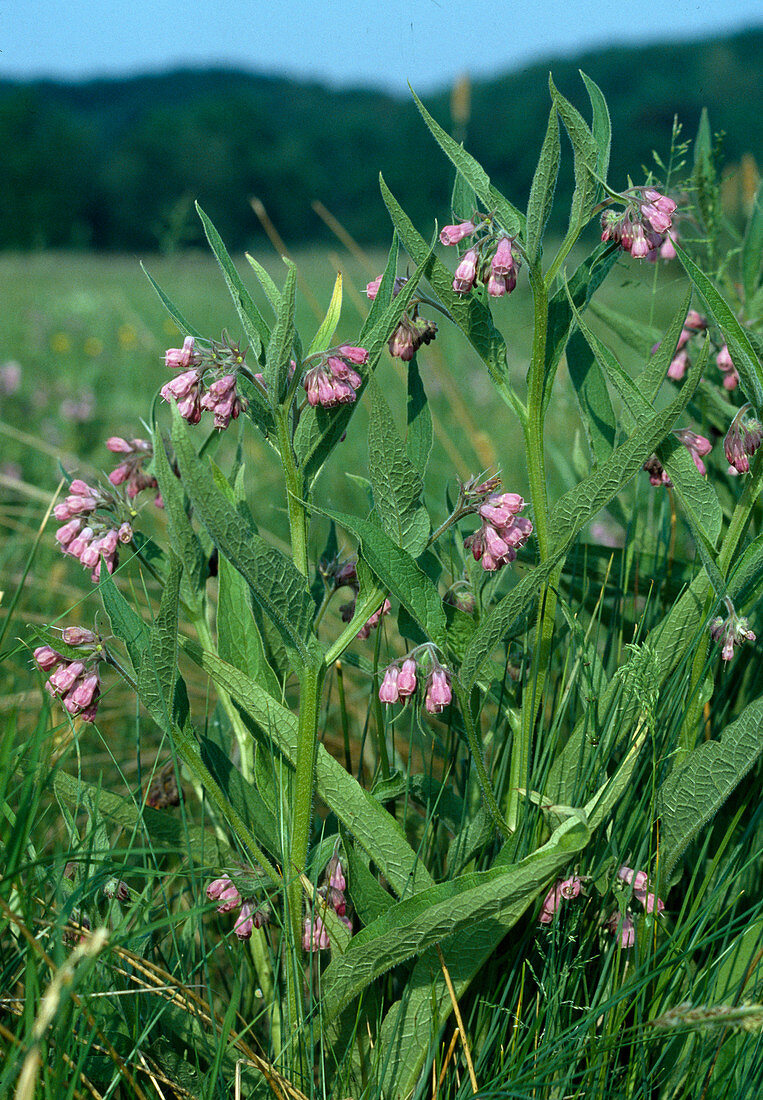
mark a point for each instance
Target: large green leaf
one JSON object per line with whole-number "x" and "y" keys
{"x": 586, "y": 150}
{"x": 323, "y": 337}
{"x": 281, "y": 341}
{"x": 592, "y": 395}
{"x": 510, "y": 218}
{"x": 601, "y": 125}
{"x": 275, "y": 582}
{"x": 256, "y": 329}
{"x": 377, "y": 833}
{"x": 397, "y": 483}
{"x": 691, "y": 796}
{"x": 398, "y": 573}
{"x": 542, "y": 188}
{"x": 418, "y": 439}
{"x": 449, "y": 908}
{"x": 239, "y": 641}
{"x": 742, "y": 352}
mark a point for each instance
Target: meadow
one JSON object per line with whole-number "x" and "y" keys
{"x": 553, "y": 877}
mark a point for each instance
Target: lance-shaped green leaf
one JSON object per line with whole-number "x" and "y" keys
{"x": 376, "y": 831}
{"x": 601, "y": 125}
{"x": 543, "y": 187}
{"x": 183, "y": 538}
{"x": 569, "y": 516}
{"x": 322, "y": 339}
{"x": 418, "y": 439}
{"x": 398, "y": 573}
{"x": 281, "y": 342}
{"x": 397, "y": 483}
{"x": 272, "y": 292}
{"x": 592, "y": 396}
{"x": 752, "y": 249}
{"x": 475, "y": 175}
{"x": 634, "y": 334}
{"x": 470, "y": 314}
{"x": 238, "y": 638}
{"x": 184, "y": 326}
{"x": 584, "y": 283}
{"x": 276, "y": 584}
{"x": 252, "y": 320}
{"x": 691, "y": 796}
{"x": 433, "y": 915}
{"x": 384, "y": 292}
{"x": 742, "y": 352}
{"x": 586, "y": 162}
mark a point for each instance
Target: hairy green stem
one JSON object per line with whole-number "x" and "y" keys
{"x": 296, "y": 508}
{"x": 301, "y": 812}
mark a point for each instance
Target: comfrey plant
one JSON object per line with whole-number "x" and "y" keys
{"x": 466, "y": 621}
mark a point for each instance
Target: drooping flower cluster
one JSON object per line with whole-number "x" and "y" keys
{"x": 697, "y": 445}
{"x": 130, "y": 470}
{"x": 640, "y": 228}
{"x": 491, "y": 258}
{"x": 333, "y": 379}
{"x": 86, "y": 534}
{"x": 694, "y": 324}
{"x": 732, "y": 631}
{"x": 622, "y": 925}
{"x": 189, "y": 390}
{"x": 251, "y": 915}
{"x": 315, "y": 937}
{"x": 76, "y": 682}
{"x": 742, "y": 439}
{"x": 344, "y": 574}
{"x": 503, "y": 530}
{"x": 400, "y": 680}
{"x": 564, "y": 889}
{"x": 412, "y": 331}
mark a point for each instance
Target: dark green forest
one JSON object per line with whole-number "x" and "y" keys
{"x": 116, "y": 164}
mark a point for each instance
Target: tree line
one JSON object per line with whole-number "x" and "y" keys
{"x": 116, "y": 164}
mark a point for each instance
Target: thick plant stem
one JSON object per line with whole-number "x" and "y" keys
{"x": 536, "y": 472}
{"x": 736, "y": 529}
{"x": 301, "y": 812}
{"x": 296, "y": 509}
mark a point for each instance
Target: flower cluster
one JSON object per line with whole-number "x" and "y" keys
{"x": 490, "y": 259}
{"x": 732, "y": 631}
{"x": 344, "y": 574}
{"x": 503, "y": 530}
{"x": 412, "y": 331}
{"x": 697, "y": 445}
{"x": 622, "y": 925}
{"x": 333, "y": 380}
{"x": 188, "y": 388}
{"x": 400, "y": 680}
{"x": 742, "y": 440}
{"x": 564, "y": 889}
{"x": 130, "y": 470}
{"x": 75, "y": 682}
{"x": 642, "y": 226}
{"x": 85, "y": 535}
{"x": 314, "y": 934}
{"x": 694, "y": 324}
{"x": 250, "y": 916}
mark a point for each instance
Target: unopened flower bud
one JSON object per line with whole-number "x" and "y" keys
{"x": 388, "y": 692}
{"x": 452, "y": 234}
{"x": 439, "y": 693}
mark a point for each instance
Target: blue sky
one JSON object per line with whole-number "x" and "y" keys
{"x": 383, "y": 43}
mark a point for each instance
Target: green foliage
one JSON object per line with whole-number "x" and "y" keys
{"x": 569, "y": 754}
